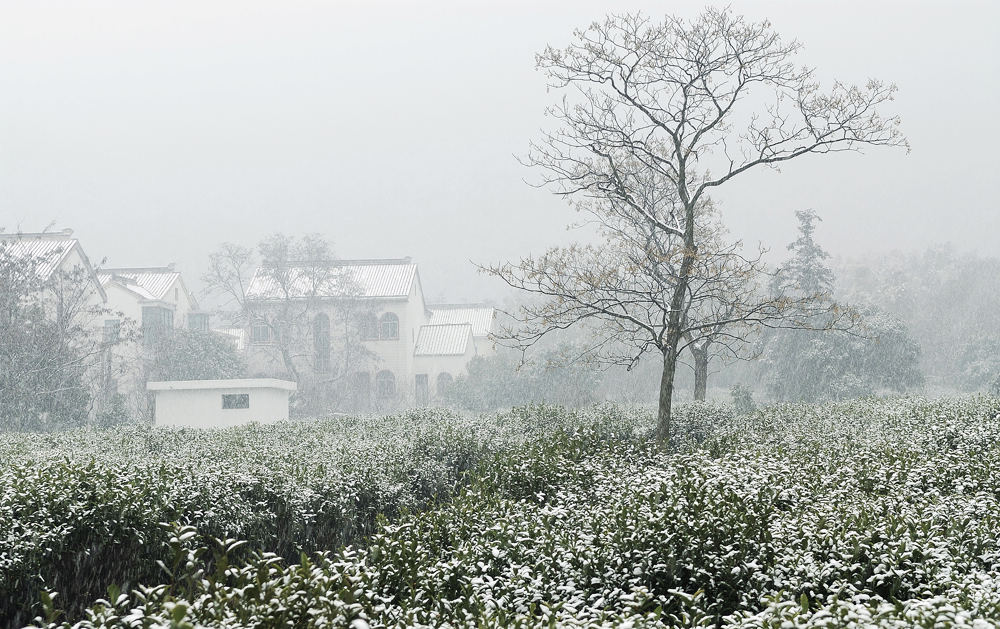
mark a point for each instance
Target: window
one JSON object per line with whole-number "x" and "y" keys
{"x": 112, "y": 330}
{"x": 198, "y": 321}
{"x": 260, "y": 332}
{"x": 361, "y": 390}
{"x": 156, "y": 322}
{"x": 421, "y": 388}
{"x": 369, "y": 328}
{"x": 444, "y": 381}
{"x": 235, "y": 400}
{"x": 385, "y": 384}
{"x": 321, "y": 342}
{"x": 389, "y": 327}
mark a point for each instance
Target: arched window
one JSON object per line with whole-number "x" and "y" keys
{"x": 389, "y": 327}
{"x": 444, "y": 381}
{"x": 321, "y": 342}
{"x": 369, "y": 327}
{"x": 361, "y": 390}
{"x": 385, "y": 384}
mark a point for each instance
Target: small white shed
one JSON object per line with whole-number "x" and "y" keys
{"x": 220, "y": 403}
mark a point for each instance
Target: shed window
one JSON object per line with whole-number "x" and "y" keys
{"x": 235, "y": 400}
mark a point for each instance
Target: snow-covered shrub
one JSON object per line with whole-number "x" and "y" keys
{"x": 868, "y": 513}
{"x": 742, "y": 399}
{"x": 81, "y": 510}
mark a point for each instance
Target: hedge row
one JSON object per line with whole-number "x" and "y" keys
{"x": 82, "y": 510}
{"x": 873, "y": 513}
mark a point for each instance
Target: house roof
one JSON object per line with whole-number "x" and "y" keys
{"x": 479, "y": 316}
{"x": 443, "y": 340}
{"x": 50, "y": 249}
{"x": 384, "y": 279}
{"x": 148, "y": 282}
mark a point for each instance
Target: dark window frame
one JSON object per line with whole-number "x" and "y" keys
{"x": 235, "y": 401}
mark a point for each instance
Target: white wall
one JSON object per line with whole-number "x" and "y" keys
{"x": 202, "y": 408}
{"x": 484, "y": 346}
{"x": 435, "y": 365}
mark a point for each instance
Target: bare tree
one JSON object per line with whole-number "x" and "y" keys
{"x": 728, "y": 303}
{"x": 649, "y": 109}
{"x": 308, "y": 305}
{"x": 55, "y": 349}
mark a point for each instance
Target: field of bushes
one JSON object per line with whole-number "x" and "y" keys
{"x": 869, "y": 513}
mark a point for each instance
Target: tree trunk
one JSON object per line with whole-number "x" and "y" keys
{"x": 700, "y": 372}
{"x": 666, "y": 395}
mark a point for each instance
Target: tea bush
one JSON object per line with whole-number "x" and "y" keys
{"x": 868, "y": 513}
{"x": 81, "y": 510}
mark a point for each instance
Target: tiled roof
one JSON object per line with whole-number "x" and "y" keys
{"x": 347, "y": 278}
{"x": 443, "y": 340}
{"x": 149, "y": 283}
{"x": 48, "y": 249}
{"x": 480, "y": 317}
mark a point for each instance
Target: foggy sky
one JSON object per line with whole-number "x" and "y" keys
{"x": 157, "y": 130}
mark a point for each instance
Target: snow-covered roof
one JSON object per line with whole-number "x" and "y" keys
{"x": 148, "y": 282}
{"x": 443, "y": 340}
{"x": 49, "y": 250}
{"x": 480, "y": 317}
{"x": 385, "y": 279}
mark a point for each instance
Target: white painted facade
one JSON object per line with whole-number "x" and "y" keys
{"x": 389, "y": 287}
{"x": 137, "y": 292}
{"x": 220, "y": 403}
{"x": 156, "y": 300}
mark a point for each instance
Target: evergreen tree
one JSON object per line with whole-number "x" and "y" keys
{"x": 878, "y": 353}
{"x": 806, "y": 272}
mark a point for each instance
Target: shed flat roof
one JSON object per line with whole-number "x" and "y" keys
{"x": 246, "y": 383}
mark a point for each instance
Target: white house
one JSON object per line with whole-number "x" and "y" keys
{"x": 157, "y": 300}
{"x": 219, "y": 403}
{"x": 479, "y": 316}
{"x": 154, "y": 297}
{"x": 412, "y": 347}
{"x": 72, "y": 288}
